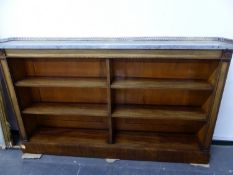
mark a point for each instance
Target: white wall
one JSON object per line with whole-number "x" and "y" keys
{"x": 2, "y": 142}
{"x": 112, "y": 18}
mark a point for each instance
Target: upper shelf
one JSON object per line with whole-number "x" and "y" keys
{"x": 138, "y": 83}
{"x": 62, "y": 82}
{"x": 118, "y": 43}
{"x": 141, "y": 83}
{"x": 66, "y": 109}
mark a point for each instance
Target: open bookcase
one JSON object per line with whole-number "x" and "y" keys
{"x": 148, "y": 105}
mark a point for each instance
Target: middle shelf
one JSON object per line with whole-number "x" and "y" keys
{"x": 132, "y": 83}
{"x": 67, "y": 109}
{"x": 149, "y": 83}
{"x": 118, "y": 111}
{"x": 62, "y": 82}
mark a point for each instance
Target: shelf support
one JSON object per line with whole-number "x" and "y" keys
{"x": 206, "y": 133}
{"x": 109, "y": 99}
{"x": 11, "y": 91}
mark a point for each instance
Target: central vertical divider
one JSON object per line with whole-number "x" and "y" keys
{"x": 109, "y": 99}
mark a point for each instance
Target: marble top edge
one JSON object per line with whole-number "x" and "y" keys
{"x": 115, "y": 38}
{"x": 117, "y": 43}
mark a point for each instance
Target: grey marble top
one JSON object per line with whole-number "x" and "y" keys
{"x": 118, "y": 43}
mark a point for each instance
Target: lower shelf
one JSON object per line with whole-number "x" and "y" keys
{"x": 158, "y": 119}
{"x": 127, "y": 145}
{"x": 67, "y": 109}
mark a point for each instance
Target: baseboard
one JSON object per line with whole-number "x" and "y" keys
{"x": 222, "y": 142}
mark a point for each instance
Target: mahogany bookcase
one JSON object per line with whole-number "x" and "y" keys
{"x": 125, "y": 98}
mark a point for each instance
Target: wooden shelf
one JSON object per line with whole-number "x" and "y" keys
{"x": 62, "y": 82}
{"x": 83, "y": 142}
{"x": 69, "y": 135}
{"x": 67, "y": 109}
{"x": 153, "y": 112}
{"x": 158, "y": 119}
{"x": 137, "y": 139}
{"x": 140, "y": 83}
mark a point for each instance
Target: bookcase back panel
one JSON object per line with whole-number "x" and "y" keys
{"x": 75, "y": 95}
{"x": 57, "y": 67}
{"x": 160, "y": 97}
{"x": 162, "y": 125}
{"x": 173, "y": 69}
{"x": 70, "y": 121}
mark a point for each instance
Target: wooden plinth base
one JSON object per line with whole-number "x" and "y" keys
{"x": 131, "y": 146}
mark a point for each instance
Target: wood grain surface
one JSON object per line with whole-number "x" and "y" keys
{"x": 127, "y": 104}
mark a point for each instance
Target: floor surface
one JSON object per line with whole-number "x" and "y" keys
{"x": 11, "y": 163}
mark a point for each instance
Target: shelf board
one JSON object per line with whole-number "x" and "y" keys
{"x": 141, "y": 83}
{"x": 127, "y": 145}
{"x": 69, "y": 135}
{"x": 135, "y": 139}
{"x": 67, "y": 109}
{"x": 153, "y": 112}
{"x": 62, "y": 82}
